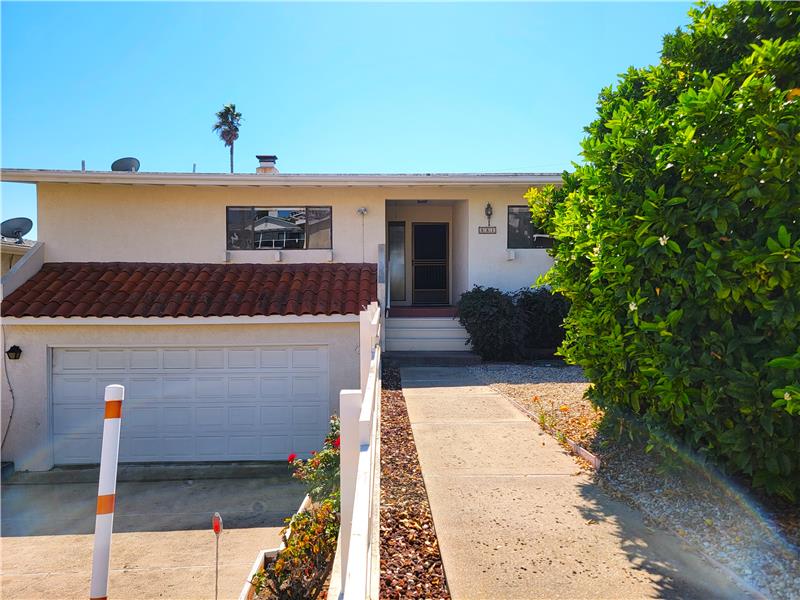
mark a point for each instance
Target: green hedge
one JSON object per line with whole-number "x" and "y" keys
{"x": 678, "y": 242}
{"x": 512, "y": 326}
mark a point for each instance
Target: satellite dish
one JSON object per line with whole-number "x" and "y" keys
{"x": 125, "y": 164}
{"x": 16, "y": 228}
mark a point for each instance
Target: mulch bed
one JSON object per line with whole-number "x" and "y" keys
{"x": 411, "y": 565}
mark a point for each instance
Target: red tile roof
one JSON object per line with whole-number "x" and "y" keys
{"x": 193, "y": 290}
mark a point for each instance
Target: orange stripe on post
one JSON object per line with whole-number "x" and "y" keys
{"x": 113, "y": 409}
{"x": 105, "y": 504}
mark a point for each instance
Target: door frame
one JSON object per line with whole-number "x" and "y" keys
{"x": 445, "y": 261}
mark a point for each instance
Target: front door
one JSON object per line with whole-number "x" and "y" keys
{"x": 429, "y": 263}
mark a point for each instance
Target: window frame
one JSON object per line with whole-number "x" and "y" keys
{"x": 253, "y": 208}
{"x": 535, "y": 235}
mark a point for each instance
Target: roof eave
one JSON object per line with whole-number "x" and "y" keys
{"x": 277, "y": 179}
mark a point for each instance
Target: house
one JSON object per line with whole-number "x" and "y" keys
{"x": 227, "y": 304}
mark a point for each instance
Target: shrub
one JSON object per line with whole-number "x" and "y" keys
{"x": 677, "y": 242}
{"x": 320, "y": 473}
{"x": 491, "y": 320}
{"x": 299, "y": 571}
{"x": 541, "y": 314}
{"x": 504, "y": 326}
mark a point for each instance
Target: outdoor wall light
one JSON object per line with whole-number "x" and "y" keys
{"x": 14, "y": 352}
{"x": 488, "y": 212}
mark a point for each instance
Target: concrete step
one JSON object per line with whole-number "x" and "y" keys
{"x": 434, "y": 322}
{"x": 422, "y": 344}
{"x": 427, "y": 333}
{"x": 431, "y": 359}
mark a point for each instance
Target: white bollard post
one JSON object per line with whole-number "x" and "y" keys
{"x": 106, "y": 492}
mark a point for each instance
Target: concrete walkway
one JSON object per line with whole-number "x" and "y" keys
{"x": 514, "y": 516}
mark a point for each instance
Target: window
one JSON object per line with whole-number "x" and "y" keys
{"x": 522, "y": 233}
{"x": 285, "y": 228}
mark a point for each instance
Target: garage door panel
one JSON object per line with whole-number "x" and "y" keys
{"x": 244, "y": 446}
{"x": 279, "y": 415}
{"x": 76, "y": 449}
{"x": 178, "y": 448}
{"x": 144, "y": 359}
{"x": 140, "y": 419}
{"x": 275, "y": 447}
{"x": 243, "y": 386}
{"x": 245, "y": 417}
{"x": 308, "y": 358}
{"x": 178, "y": 387}
{"x": 71, "y": 419}
{"x": 74, "y": 389}
{"x": 307, "y": 386}
{"x": 142, "y": 388}
{"x": 240, "y": 403}
{"x": 210, "y": 358}
{"x": 112, "y": 359}
{"x": 181, "y": 358}
{"x": 243, "y": 358}
{"x": 274, "y": 359}
{"x": 275, "y": 387}
{"x": 176, "y": 417}
{"x": 211, "y": 387}
{"x": 76, "y": 360}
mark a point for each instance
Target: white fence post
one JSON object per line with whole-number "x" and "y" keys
{"x": 364, "y": 346}
{"x": 349, "y": 410}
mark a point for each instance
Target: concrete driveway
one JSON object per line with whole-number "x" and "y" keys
{"x": 163, "y": 546}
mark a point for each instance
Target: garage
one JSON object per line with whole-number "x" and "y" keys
{"x": 220, "y": 403}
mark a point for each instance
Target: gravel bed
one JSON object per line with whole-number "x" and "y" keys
{"x": 411, "y": 565}
{"x": 756, "y": 538}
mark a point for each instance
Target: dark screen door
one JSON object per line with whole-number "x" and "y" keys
{"x": 429, "y": 263}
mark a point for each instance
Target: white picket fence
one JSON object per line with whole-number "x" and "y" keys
{"x": 357, "y": 560}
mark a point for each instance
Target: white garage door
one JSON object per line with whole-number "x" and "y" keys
{"x": 192, "y": 404}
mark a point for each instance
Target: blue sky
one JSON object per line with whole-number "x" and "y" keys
{"x": 327, "y": 87}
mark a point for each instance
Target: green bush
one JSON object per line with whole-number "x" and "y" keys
{"x": 321, "y": 472}
{"x": 490, "y": 318}
{"x": 677, "y": 242}
{"x": 299, "y": 570}
{"x": 512, "y": 326}
{"x": 541, "y": 314}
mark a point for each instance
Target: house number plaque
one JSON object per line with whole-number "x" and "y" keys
{"x": 491, "y": 229}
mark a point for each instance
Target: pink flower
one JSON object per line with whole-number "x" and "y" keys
{"x": 292, "y": 457}
{"x": 337, "y": 442}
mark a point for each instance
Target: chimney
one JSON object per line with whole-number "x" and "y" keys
{"x": 266, "y": 163}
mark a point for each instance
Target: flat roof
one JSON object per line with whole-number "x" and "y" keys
{"x": 278, "y": 179}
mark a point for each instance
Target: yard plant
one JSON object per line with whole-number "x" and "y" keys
{"x": 677, "y": 242}
{"x": 513, "y": 326}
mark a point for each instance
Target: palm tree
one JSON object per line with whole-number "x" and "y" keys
{"x": 227, "y": 126}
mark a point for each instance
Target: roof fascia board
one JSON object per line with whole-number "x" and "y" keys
{"x": 288, "y": 180}
{"x": 256, "y": 320}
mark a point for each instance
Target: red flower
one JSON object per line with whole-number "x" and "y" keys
{"x": 313, "y": 453}
{"x": 292, "y": 457}
{"x": 337, "y": 442}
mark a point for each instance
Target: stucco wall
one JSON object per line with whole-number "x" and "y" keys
{"x": 187, "y": 224}
{"x": 489, "y": 264}
{"x": 28, "y": 443}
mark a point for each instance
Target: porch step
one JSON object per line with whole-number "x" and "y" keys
{"x": 425, "y": 334}
{"x": 431, "y": 359}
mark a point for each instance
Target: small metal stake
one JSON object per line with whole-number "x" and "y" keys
{"x": 216, "y": 524}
